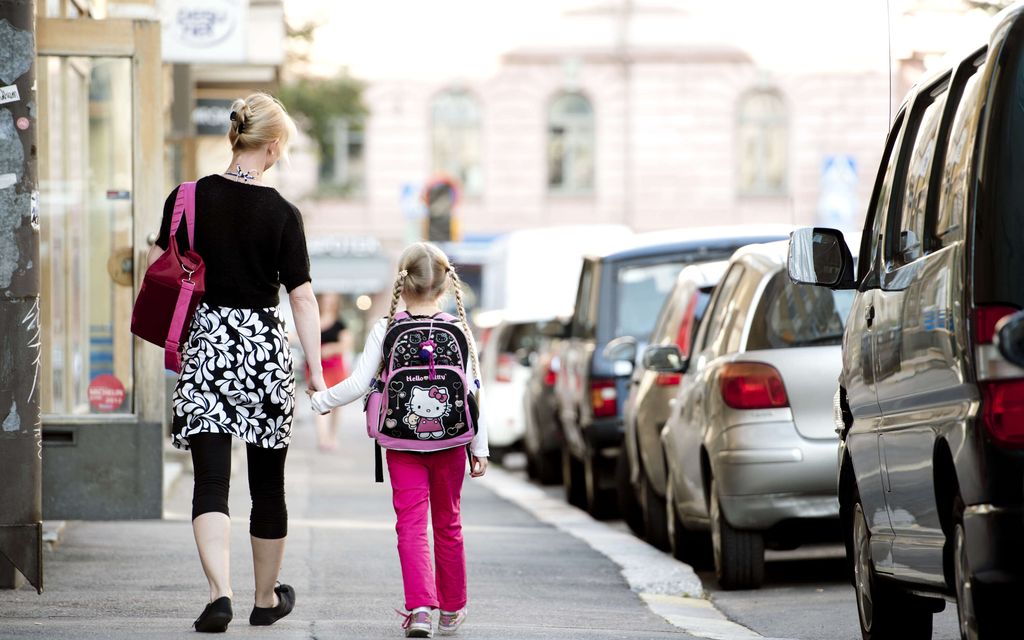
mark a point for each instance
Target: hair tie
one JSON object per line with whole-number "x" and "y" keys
{"x": 403, "y": 273}
{"x": 235, "y": 118}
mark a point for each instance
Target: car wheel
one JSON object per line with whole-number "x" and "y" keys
{"x": 691, "y": 547}
{"x": 601, "y": 503}
{"x": 884, "y": 612}
{"x": 739, "y": 554}
{"x": 548, "y": 465}
{"x": 982, "y": 617}
{"x": 654, "y": 513}
{"x": 572, "y": 480}
{"x": 629, "y": 508}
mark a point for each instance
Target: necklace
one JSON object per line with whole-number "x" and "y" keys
{"x": 244, "y": 176}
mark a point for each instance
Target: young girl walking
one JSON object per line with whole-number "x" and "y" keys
{"x": 420, "y": 366}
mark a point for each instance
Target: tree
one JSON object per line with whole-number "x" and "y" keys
{"x": 319, "y": 103}
{"x": 992, "y": 6}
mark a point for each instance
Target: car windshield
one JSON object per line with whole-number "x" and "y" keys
{"x": 793, "y": 315}
{"x": 518, "y": 338}
{"x": 640, "y": 292}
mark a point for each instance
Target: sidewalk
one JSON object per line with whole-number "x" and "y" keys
{"x": 143, "y": 579}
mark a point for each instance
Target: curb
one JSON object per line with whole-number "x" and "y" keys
{"x": 670, "y": 588}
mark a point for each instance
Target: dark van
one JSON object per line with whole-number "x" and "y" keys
{"x": 619, "y": 297}
{"x": 930, "y": 413}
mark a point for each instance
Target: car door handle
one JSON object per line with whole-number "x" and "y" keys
{"x": 869, "y": 315}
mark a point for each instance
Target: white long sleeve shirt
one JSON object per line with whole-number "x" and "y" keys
{"x": 355, "y": 386}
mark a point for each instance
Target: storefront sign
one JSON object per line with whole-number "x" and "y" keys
{"x": 9, "y": 94}
{"x": 204, "y": 30}
{"x": 106, "y": 393}
{"x": 211, "y": 117}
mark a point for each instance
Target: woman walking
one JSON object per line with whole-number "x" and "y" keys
{"x": 237, "y": 379}
{"x": 334, "y": 344}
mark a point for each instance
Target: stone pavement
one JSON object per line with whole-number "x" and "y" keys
{"x": 142, "y": 579}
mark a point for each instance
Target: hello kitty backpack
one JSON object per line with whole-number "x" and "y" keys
{"x": 421, "y": 399}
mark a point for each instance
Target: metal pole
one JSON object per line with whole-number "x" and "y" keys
{"x": 20, "y": 427}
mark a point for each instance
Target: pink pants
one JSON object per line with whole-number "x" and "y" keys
{"x": 430, "y": 480}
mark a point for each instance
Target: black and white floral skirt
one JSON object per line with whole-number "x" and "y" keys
{"x": 236, "y": 378}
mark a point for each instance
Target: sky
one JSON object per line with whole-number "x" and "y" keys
{"x": 407, "y": 39}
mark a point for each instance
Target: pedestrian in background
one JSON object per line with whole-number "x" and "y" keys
{"x": 237, "y": 379}
{"x": 423, "y": 480}
{"x": 334, "y": 344}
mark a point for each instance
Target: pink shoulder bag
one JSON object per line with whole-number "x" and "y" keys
{"x": 172, "y": 288}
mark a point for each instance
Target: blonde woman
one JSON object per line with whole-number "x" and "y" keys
{"x": 236, "y": 379}
{"x": 423, "y": 479}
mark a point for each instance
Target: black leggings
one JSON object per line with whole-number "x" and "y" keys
{"x": 211, "y": 462}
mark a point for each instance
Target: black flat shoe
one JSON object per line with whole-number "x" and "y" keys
{"x": 265, "y": 616}
{"x": 215, "y": 617}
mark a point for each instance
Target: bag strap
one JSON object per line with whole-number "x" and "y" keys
{"x": 378, "y": 463}
{"x": 185, "y": 204}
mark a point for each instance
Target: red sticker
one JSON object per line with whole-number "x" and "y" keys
{"x": 106, "y": 393}
{"x": 22, "y": 123}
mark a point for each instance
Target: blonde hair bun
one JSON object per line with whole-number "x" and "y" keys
{"x": 258, "y": 120}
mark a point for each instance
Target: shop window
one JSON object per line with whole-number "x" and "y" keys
{"x": 455, "y": 128}
{"x": 571, "y": 144}
{"x": 86, "y": 246}
{"x": 763, "y": 131}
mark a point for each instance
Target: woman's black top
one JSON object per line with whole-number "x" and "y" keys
{"x": 332, "y": 333}
{"x": 250, "y": 238}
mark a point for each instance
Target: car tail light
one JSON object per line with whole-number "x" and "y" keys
{"x": 604, "y": 398}
{"x": 752, "y": 385}
{"x": 985, "y": 320}
{"x": 685, "y": 334}
{"x": 550, "y": 376}
{"x": 1002, "y": 389}
{"x": 1003, "y": 411}
{"x": 668, "y": 379}
{"x": 506, "y": 367}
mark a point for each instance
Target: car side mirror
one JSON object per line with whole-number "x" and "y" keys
{"x": 664, "y": 359}
{"x": 525, "y": 357}
{"x": 1010, "y": 338}
{"x": 621, "y": 348}
{"x": 819, "y": 256}
{"x": 555, "y": 329}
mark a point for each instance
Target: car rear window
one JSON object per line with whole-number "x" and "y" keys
{"x": 518, "y": 338}
{"x": 640, "y": 293}
{"x": 998, "y": 238}
{"x": 792, "y": 315}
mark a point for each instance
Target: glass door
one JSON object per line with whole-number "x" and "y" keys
{"x": 99, "y": 181}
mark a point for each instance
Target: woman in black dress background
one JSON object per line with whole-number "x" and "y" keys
{"x": 237, "y": 379}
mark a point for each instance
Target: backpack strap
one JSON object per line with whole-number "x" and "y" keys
{"x": 378, "y": 463}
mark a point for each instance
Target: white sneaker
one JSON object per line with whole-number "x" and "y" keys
{"x": 451, "y": 621}
{"x": 419, "y": 623}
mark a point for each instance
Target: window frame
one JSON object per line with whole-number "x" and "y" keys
{"x": 970, "y": 68}
{"x": 724, "y": 289}
{"x": 590, "y": 130}
{"x": 763, "y": 125}
{"x": 467, "y": 189}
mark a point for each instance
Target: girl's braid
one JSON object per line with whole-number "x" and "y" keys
{"x": 457, "y": 286}
{"x": 395, "y": 297}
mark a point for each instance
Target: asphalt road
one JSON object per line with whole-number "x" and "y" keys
{"x": 806, "y": 595}
{"x": 142, "y": 579}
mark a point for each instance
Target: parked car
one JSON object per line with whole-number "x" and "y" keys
{"x": 651, "y": 394}
{"x": 750, "y": 442}
{"x": 543, "y": 437}
{"x": 619, "y": 296}
{"x": 506, "y": 355}
{"x": 930, "y": 412}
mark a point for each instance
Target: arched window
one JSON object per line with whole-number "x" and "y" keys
{"x": 763, "y": 144}
{"x": 571, "y": 144}
{"x": 455, "y": 126}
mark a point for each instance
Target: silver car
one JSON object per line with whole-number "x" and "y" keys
{"x": 750, "y": 443}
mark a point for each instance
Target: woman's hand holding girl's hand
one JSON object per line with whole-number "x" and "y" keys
{"x": 316, "y": 383}
{"x": 478, "y": 467}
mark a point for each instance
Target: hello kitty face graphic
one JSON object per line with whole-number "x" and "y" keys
{"x": 429, "y": 402}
